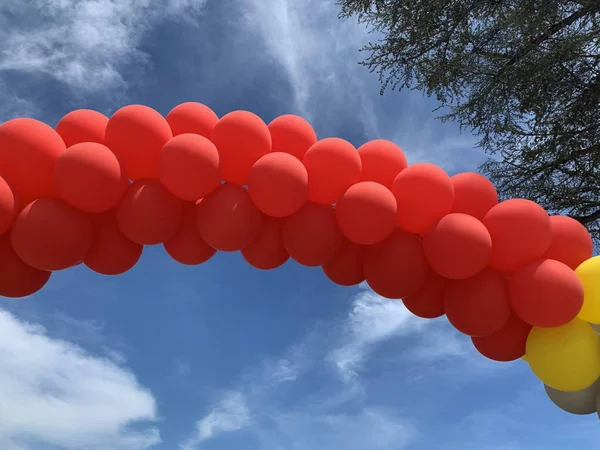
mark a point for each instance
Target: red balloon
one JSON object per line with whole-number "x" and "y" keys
{"x": 428, "y": 302}
{"x": 367, "y": 213}
{"x": 29, "y": 150}
{"x": 278, "y": 184}
{"x": 396, "y": 268}
{"x": 508, "y": 344}
{"x": 89, "y": 177}
{"x": 50, "y": 235}
{"x": 227, "y": 219}
{"x": 188, "y": 166}
{"x": 381, "y": 161}
{"x": 242, "y": 138}
{"x": 425, "y": 194}
{"x": 521, "y": 232}
{"x": 292, "y": 134}
{"x": 478, "y": 306}
{"x": 148, "y": 214}
{"x": 458, "y": 246}
{"x": 8, "y": 206}
{"x": 17, "y": 279}
{"x": 187, "y": 246}
{"x": 333, "y": 166}
{"x": 346, "y": 268}
{"x": 267, "y": 252}
{"x": 111, "y": 252}
{"x": 192, "y": 117}
{"x": 545, "y": 293}
{"x": 474, "y": 194}
{"x": 571, "y": 242}
{"x": 82, "y": 125}
{"x": 311, "y": 236}
{"x": 136, "y": 134}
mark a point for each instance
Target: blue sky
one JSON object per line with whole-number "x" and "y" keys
{"x": 222, "y": 356}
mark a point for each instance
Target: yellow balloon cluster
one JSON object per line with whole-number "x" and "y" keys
{"x": 589, "y": 274}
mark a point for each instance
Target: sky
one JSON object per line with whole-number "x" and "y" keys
{"x": 222, "y": 356}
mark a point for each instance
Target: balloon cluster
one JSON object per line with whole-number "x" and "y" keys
{"x": 96, "y": 190}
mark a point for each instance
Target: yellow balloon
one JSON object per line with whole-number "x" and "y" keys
{"x": 589, "y": 274}
{"x": 566, "y": 358}
{"x": 524, "y": 358}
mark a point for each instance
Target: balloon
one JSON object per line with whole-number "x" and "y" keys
{"x": 187, "y": 246}
{"x": 582, "y": 402}
{"x": 89, "y": 177}
{"x": 267, "y": 251}
{"x": 29, "y": 150}
{"x": 192, "y": 117}
{"x": 478, "y": 306}
{"x": 566, "y": 358}
{"x": 333, "y": 166}
{"x": 111, "y": 252}
{"x": 148, "y": 214}
{"x": 396, "y": 268}
{"x": 508, "y": 344}
{"x": 424, "y": 194}
{"x": 589, "y": 275}
{"x": 381, "y": 161}
{"x": 292, "y": 134}
{"x": 17, "y": 279}
{"x": 8, "y": 206}
{"x": 227, "y": 219}
{"x": 278, "y": 184}
{"x": 188, "y": 166}
{"x": 458, "y": 246}
{"x": 545, "y": 293}
{"x": 428, "y": 301}
{"x": 346, "y": 268}
{"x": 521, "y": 233}
{"x": 82, "y": 125}
{"x": 242, "y": 138}
{"x": 571, "y": 243}
{"x": 474, "y": 194}
{"x": 311, "y": 236}
{"x": 136, "y": 134}
{"x": 50, "y": 235}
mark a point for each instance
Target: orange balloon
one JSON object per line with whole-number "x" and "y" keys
{"x": 508, "y": 344}
{"x": 474, "y": 194}
{"x": 187, "y": 246}
{"x": 148, "y": 214}
{"x": 458, "y": 246}
{"x": 311, "y": 236}
{"x": 381, "y": 161}
{"x": 478, "y": 306}
{"x": 192, "y": 117}
{"x": 545, "y": 293}
{"x": 242, "y": 138}
{"x": 292, "y": 134}
{"x": 188, "y": 166}
{"x": 521, "y": 233}
{"x": 17, "y": 279}
{"x": 82, "y": 125}
{"x": 111, "y": 252}
{"x": 8, "y": 206}
{"x": 89, "y": 177}
{"x": 333, "y": 165}
{"x": 267, "y": 251}
{"x": 346, "y": 269}
{"x": 136, "y": 134}
{"x": 428, "y": 302}
{"x": 50, "y": 235}
{"x": 367, "y": 213}
{"x": 424, "y": 194}
{"x": 278, "y": 184}
{"x": 571, "y": 242}
{"x": 227, "y": 219}
{"x": 29, "y": 150}
{"x": 396, "y": 268}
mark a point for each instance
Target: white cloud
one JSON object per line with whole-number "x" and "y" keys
{"x": 57, "y": 395}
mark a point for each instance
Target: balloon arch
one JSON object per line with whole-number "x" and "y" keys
{"x": 96, "y": 190}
